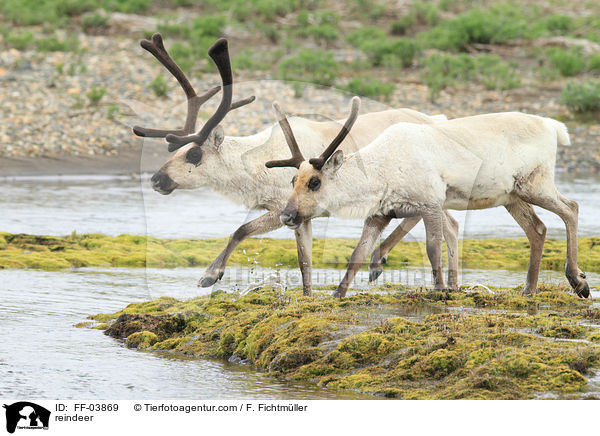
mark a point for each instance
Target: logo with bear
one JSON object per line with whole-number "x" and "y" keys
{"x": 26, "y": 415}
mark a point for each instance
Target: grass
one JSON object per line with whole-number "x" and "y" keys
{"x": 321, "y": 26}
{"x": 52, "y": 43}
{"x": 381, "y": 49}
{"x": 94, "y": 21}
{"x": 370, "y": 88}
{"x": 314, "y": 66}
{"x": 59, "y": 12}
{"x": 94, "y": 95}
{"x": 26, "y": 40}
{"x": 469, "y": 345}
{"x": 497, "y": 24}
{"x": 443, "y": 70}
{"x": 594, "y": 63}
{"x": 113, "y": 111}
{"x": 50, "y": 252}
{"x": 159, "y": 86}
{"x": 581, "y": 97}
{"x": 567, "y": 62}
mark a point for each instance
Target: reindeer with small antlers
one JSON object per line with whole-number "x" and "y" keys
{"x": 234, "y": 166}
{"x": 478, "y": 162}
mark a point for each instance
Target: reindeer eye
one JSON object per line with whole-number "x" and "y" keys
{"x": 194, "y": 155}
{"x": 293, "y": 180}
{"x": 314, "y": 183}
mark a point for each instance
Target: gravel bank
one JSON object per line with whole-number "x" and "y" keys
{"x": 49, "y": 125}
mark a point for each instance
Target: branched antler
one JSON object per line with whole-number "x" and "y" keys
{"x": 219, "y": 53}
{"x": 316, "y": 162}
{"x": 297, "y": 157}
{"x": 156, "y": 47}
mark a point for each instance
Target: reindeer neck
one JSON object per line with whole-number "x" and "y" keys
{"x": 244, "y": 178}
{"x": 355, "y": 189}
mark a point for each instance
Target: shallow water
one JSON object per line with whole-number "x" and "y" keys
{"x": 43, "y": 355}
{"x": 116, "y": 205}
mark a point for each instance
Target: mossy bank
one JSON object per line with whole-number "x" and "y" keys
{"x": 396, "y": 342}
{"x": 52, "y": 252}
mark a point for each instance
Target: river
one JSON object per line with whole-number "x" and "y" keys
{"x": 42, "y": 354}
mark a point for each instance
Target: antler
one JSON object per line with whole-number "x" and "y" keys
{"x": 297, "y": 157}
{"x": 219, "y": 53}
{"x": 318, "y": 162}
{"x": 194, "y": 101}
{"x": 157, "y": 49}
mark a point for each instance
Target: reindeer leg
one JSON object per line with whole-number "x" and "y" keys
{"x": 263, "y": 224}
{"x": 304, "y": 245}
{"x": 568, "y": 210}
{"x": 380, "y": 254}
{"x": 451, "y": 238}
{"x": 433, "y": 218}
{"x": 545, "y": 194}
{"x": 372, "y": 229}
{"x": 535, "y": 230}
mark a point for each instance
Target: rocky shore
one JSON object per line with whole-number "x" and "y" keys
{"x": 51, "y": 126}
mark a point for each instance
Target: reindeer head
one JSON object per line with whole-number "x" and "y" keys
{"x": 312, "y": 182}
{"x": 197, "y": 154}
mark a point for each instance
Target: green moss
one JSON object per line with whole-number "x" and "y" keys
{"x": 505, "y": 346}
{"x": 143, "y": 339}
{"x": 50, "y": 252}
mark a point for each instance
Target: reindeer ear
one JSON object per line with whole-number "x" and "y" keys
{"x": 334, "y": 162}
{"x": 216, "y": 137}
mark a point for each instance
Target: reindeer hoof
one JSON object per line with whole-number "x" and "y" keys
{"x": 339, "y": 293}
{"x": 374, "y": 274}
{"x": 206, "y": 282}
{"x": 583, "y": 289}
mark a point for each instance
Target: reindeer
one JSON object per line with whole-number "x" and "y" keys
{"x": 234, "y": 166}
{"x": 478, "y": 162}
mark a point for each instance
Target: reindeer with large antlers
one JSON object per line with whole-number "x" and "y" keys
{"x": 478, "y": 162}
{"x": 234, "y": 166}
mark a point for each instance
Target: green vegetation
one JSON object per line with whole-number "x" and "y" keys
{"x": 314, "y": 66}
{"x": 321, "y": 26}
{"x": 24, "y": 40}
{"x": 94, "y": 95}
{"x": 159, "y": 86}
{"x": 52, "y": 43}
{"x": 478, "y": 26}
{"x": 94, "y": 21}
{"x": 492, "y": 345}
{"x": 420, "y": 13}
{"x": 112, "y": 112}
{"x": 443, "y": 70}
{"x": 365, "y": 33}
{"x": 29, "y": 12}
{"x": 557, "y": 24}
{"x": 253, "y": 61}
{"x": 430, "y": 38}
{"x": 19, "y": 40}
{"x": 370, "y": 88}
{"x": 581, "y": 97}
{"x": 380, "y": 49}
{"x": 567, "y": 62}
{"x": 196, "y": 37}
{"x": 594, "y": 63}
{"x": 51, "y": 252}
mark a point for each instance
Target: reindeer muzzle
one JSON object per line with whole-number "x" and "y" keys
{"x": 290, "y": 218}
{"x": 162, "y": 183}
